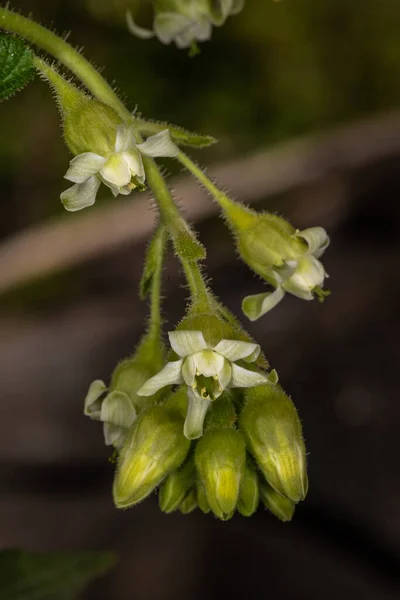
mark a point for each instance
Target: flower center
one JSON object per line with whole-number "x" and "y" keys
{"x": 209, "y": 388}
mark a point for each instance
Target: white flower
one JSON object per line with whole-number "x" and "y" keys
{"x": 303, "y": 277}
{"x": 115, "y": 411}
{"x": 207, "y": 371}
{"x": 186, "y": 21}
{"x": 121, "y": 169}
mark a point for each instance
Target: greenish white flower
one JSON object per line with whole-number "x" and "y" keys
{"x": 186, "y": 22}
{"x": 115, "y": 411}
{"x": 121, "y": 169}
{"x": 303, "y": 275}
{"x": 207, "y": 371}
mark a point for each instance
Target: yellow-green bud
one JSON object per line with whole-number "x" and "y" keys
{"x": 202, "y": 498}
{"x": 89, "y": 125}
{"x": 273, "y": 434}
{"x": 280, "y": 506}
{"x": 155, "y": 446}
{"x": 220, "y": 459}
{"x": 176, "y": 486}
{"x": 249, "y": 496}
{"x": 189, "y": 504}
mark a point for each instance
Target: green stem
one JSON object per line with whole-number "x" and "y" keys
{"x": 235, "y": 211}
{"x": 160, "y": 239}
{"x": 65, "y": 53}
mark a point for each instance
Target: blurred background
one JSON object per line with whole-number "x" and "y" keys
{"x": 304, "y": 97}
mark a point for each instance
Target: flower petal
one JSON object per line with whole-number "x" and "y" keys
{"x": 209, "y": 363}
{"x": 245, "y": 378}
{"x": 186, "y": 341}
{"x": 134, "y": 162}
{"x": 309, "y": 273}
{"x": 169, "y": 375}
{"x": 81, "y": 195}
{"x": 125, "y": 139}
{"x": 236, "y": 350}
{"x": 273, "y": 377}
{"x": 197, "y": 410}
{"x": 160, "y": 144}
{"x": 259, "y": 304}
{"x": 225, "y": 375}
{"x": 167, "y": 25}
{"x": 316, "y": 238}
{"x": 189, "y": 369}
{"x": 84, "y": 166}
{"x": 114, "y": 435}
{"x": 118, "y": 410}
{"x": 92, "y": 401}
{"x": 140, "y": 32}
{"x": 116, "y": 171}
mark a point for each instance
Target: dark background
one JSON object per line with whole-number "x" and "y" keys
{"x": 279, "y": 71}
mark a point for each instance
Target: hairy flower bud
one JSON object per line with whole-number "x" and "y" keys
{"x": 272, "y": 429}
{"x": 202, "y": 498}
{"x": 176, "y": 486}
{"x": 189, "y": 504}
{"x": 249, "y": 496}
{"x": 155, "y": 446}
{"x": 280, "y": 506}
{"x": 220, "y": 459}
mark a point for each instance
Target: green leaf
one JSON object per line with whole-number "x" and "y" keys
{"x": 181, "y": 136}
{"x": 16, "y": 65}
{"x": 55, "y": 576}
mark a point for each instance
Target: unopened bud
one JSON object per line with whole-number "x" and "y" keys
{"x": 249, "y": 496}
{"x": 202, "y": 498}
{"x": 176, "y": 486}
{"x": 155, "y": 446}
{"x": 189, "y": 504}
{"x": 220, "y": 459}
{"x": 272, "y": 429}
{"x": 280, "y": 506}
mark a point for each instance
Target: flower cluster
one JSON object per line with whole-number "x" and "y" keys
{"x": 186, "y": 22}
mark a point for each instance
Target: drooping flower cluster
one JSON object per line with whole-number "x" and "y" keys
{"x": 227, "y": 436}
{"x": 186, "y": 22}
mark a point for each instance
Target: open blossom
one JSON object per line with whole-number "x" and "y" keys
{"x": 121, "y": 169}
{"x": 186, "y": 22}
{"x": 300, "y": 274}
{"x": 207, "y": 371}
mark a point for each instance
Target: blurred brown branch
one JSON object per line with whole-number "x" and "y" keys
{"x": 73, "y": 239}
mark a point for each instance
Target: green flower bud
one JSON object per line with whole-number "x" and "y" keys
{"x": 220, "y": 459}
{"x": 202, "y": 498}
{"x": 155, "y": 446}
{"x": 189, "y": 504}
{"x": 249, "y": 496}
{"x": 176, "y": 486}
{"x": 273, "y": 434}
{"x": 280, "y": 506}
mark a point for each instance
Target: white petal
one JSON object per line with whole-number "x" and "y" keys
{"x": 259, "y": 304}
{"x": 186, "y": 342}
{"x": 309, "y": 273}
{"x": 134, "y": 162}
{"x": 140, "y": 32}
{"x": 245, "y": 378}
{"x": 118, "y": 410}
{"x": 116, "y": 171}
{"x": 235, "y": 350}
{"x": 169, "y": 375}
{"x": 316, "y": 238}
{"x": 92, "y": 403}
{"x": 167, "y": 25}
{"x": 160, "y": 144}
{"x": 84, "y": 166}
{"x": 125, "y": 139}
{"x": 189, "y": 369}
{"x": 81, "y": 195}
{"x": 197, "y": 410}
{"x": 114, "y": 435}
{"x": 209, "y": 363}
{"x": 225, "y": 375}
